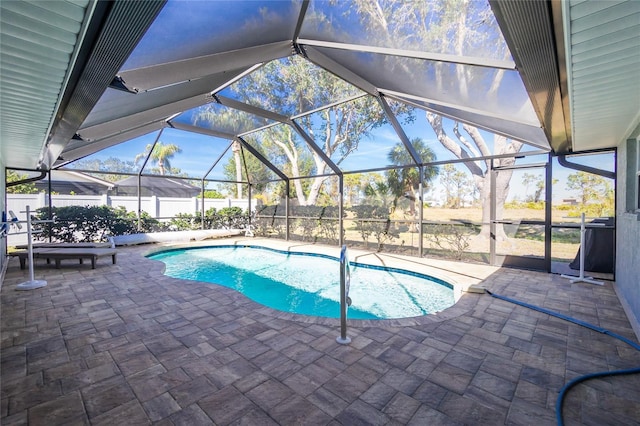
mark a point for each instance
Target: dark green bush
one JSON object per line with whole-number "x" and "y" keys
{"x": 225, "y": 218}
{"x": 89, "y": 223}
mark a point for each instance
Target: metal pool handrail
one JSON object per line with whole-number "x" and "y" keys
{"x": 345, "y": 300}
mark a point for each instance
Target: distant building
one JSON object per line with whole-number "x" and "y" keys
{"x": 67, "y": 182}
{"x": 163, "y": 186}
{"x": 570, "y": 201}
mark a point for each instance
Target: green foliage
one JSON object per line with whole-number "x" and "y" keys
{"x": 380, "y": 193}
{"x": 23, "y": 188}
{"x": 225, "y": 218}
{"x": 89, "y": 223}
{"x": 241, "y": 163}
{"x": 184, "y": 222}
{"x": 232, "y": 218}
{"x": 588, "y": 186}
{"x": 595, "y": 193}
{"x": 212, "y": 193}
{"x": 526, "y": 205}
{"x": 160, "y": 155}
{"x": 451, "y": 237}
{"x": 537, "y": 181}
{"x": 457, "y": 185}
{"x": 111, "y": 164}
{"x": 374, "y": 221}
{"x": 317, "y": 223}
{"x": 291, "y": 85}
{"x": 266, "y": 223}
{"x": 404, "y": 183}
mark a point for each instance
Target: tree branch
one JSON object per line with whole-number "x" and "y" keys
{"x": 436, "y": 122}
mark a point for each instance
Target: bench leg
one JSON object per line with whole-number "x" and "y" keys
{"x": 57, "y": 263}
{"x": 23, "y": 261}
{"x": 93, "y": 262}
{"x": 113, "y": 259}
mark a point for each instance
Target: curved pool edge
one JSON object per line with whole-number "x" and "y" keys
{"x": 461, "y": 304}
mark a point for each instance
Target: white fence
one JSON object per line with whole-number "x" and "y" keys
{"x": 156, "y": 207}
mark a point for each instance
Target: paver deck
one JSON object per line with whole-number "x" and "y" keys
{"x": 124, "y": 344}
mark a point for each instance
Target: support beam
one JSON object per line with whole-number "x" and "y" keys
{"x": 413, "y": 54}
{"x": 96, "y": 62}
{"x": 341, "y": 210}
{"x": 548, "y": 197}
{"x": 492, "y": 215}
{"x": 155, "y": 142}
{"x": 399, "y": 131}
{"x": 250, "y": 109}
{"x": 421, "y": 214}
{"x": 262, "y": 159}
{"x": 316, "y": 148}
{"x": 286, "y": 209}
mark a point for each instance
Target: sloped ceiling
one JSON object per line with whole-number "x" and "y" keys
{"x": 578, "y": 62}
{"x": 602, "y": 44}
{"x": 56, "y": 59}
{"x": 37, "y": 50}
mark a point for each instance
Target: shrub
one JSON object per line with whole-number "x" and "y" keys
{"x": 374, "y": 221}
{"x": 226, "y": 218}
{"x": 89, "y": 223}
{"x": 450, "y": 237}
{"x": 317, "y": 223}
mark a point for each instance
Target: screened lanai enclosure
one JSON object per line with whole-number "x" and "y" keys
{"x": 428, "y": 128}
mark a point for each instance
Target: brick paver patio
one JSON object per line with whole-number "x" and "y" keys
{"x": 125, "y": 345}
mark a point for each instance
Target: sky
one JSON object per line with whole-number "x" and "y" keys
{"x": 200, "y": 151}
{"x": 275, "y": 21}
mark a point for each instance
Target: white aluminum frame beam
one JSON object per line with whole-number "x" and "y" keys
{"x": 155, "y": 76}
{"x": 439, "y": 57}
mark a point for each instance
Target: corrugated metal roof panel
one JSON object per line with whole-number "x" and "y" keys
{"x": 527, "y": 27}
{"x": 36, "y": 47}
{"x": 604, "y": 46}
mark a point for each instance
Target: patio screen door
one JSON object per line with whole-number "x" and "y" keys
{"x": 520, "y": 235}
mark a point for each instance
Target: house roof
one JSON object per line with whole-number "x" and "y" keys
{"x": 165, "y": 186}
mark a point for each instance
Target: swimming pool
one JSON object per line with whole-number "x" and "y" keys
{"x": 309, "y": 284}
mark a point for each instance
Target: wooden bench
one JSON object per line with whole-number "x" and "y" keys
{"x": 65, "y": 245}
{"x": 62, "y": 253}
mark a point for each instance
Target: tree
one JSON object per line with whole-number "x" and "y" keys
{"x": 537, "y": 181}
{"x": 111, "y": 164}
{"x": 464, "y": 27}
{"x": 230, "y": 121}
{"x": 456, "y": 185}
{"x": 293, "y": 85}
{"x": 353, "y": 184}
{"x": 160, "y": 156}
{"x": 211, "y": 193}
{"x": 481, "y": 175}
{"x": 241, "y": 164}
{"x": 589, "y": 187}
{"x": 405, "y": 182}
{"x": 23, "y": 188}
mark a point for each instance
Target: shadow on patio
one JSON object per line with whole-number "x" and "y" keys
{"x": 124, "y": 344}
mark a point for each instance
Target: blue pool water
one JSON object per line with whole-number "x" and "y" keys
{"x": 309, "y": 284}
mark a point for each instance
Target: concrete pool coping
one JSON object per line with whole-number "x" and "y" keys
{"x": 447, "y": 271}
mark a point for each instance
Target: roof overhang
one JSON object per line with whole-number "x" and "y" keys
{"x": 101, "y": 36}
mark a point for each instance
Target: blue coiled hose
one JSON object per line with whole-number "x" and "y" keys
{"x": 580, "y": 379}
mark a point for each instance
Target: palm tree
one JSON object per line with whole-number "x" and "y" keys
{"x": 406, "y": 182}
{"x": 160, "y": 155}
